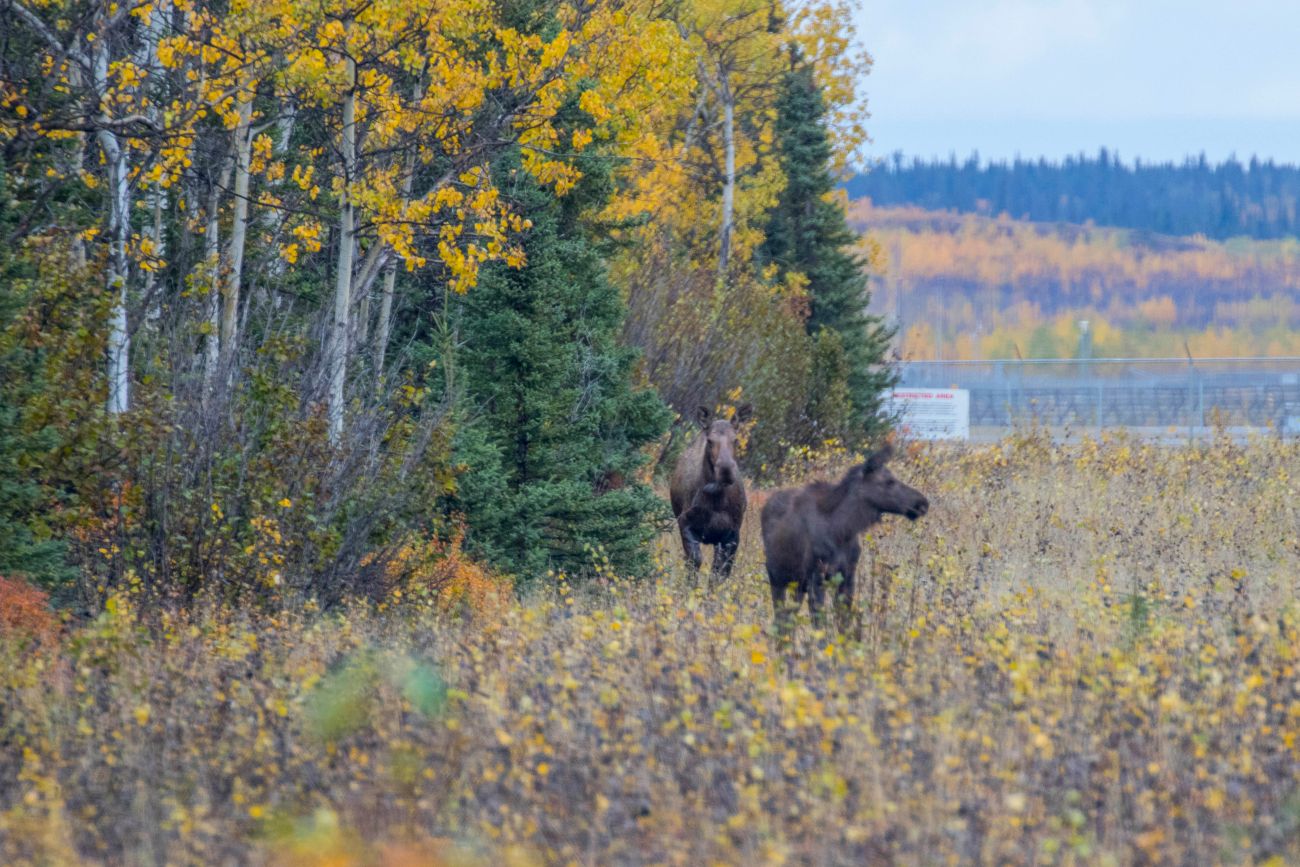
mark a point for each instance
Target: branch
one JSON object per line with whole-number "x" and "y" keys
{"x": 113, "y": 123}
{"x": 44, "y": 32}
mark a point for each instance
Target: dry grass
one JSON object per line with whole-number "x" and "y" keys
{"x": 1084, "y": 654}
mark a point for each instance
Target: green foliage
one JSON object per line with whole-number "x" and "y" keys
{"x": 807, "y": 234}
{"x": 344, "y": 700}
{"x": 829, "y": 401}
{"x": 27, "y": 546}
{"x": 49, "y": 419}
{"x": 552, "y": 424}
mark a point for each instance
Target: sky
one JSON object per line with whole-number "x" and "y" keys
{"x": 1153, "y": 79}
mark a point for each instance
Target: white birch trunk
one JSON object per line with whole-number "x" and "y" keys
{"x": 337, "y": 347}
{"x": 119, "y": 233}
{"x": 78, "y": 165}
{"x": 212, "y": 258}
{"x": 238, "y": 227}
{"x": 273, "y": 218}
{"x": 384, "y": 326}
{"x": 729, "y": 182}
{"x": 362, "y": 292}
{"x": 155, "y": 196}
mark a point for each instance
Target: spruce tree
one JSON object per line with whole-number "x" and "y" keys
{"x": 28, "y": 547}
{"x": 554, "y": 425}
{"x": 807, "y": 233}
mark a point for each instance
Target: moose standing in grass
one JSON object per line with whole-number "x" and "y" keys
{"x": 811, "y": 534}
{"x": 707, "y": 493}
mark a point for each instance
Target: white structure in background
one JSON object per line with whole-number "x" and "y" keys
{"x": 931, "y": 413}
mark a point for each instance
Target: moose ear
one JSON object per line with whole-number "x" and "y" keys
{"x": 744, "y": 413}
{"x": 703, "y": 415}
{"x": 878, "y": 459}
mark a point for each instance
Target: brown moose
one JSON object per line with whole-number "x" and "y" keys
{"x": 707, "y": 493}
{"x": 811, "y": 534}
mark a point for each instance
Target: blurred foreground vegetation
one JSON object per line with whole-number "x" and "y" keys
{"x": 1084, "y": 654}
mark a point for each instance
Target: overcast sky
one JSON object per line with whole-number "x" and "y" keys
{"x": 1154, "y": 79}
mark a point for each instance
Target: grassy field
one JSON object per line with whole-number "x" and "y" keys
{"x": 1084, "y": 654}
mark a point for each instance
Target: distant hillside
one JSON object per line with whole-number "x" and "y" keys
{"x": 966, "y": 286}
{"x": 1256, "y": 199}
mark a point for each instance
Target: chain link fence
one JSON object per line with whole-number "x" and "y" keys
{"x": 1162, "y": 396}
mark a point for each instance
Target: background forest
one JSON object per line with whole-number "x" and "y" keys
{"x": 990, "y": 260}
{"x": 298, "y": 299}
{"x": 1256, "y": 199}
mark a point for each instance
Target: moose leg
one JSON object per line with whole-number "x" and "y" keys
{"x": 691, "y": 547}
{"x": 845, "y": 592}
{"x": 724, "y": 557}
{"x": 817, "y": 599}
{"x": 784, "y": 594}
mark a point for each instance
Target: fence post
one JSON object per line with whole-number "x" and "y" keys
{"x": 1200, "y": 403}
{"x": 1006, "y": 386}
{"x": 1101, "y": 395}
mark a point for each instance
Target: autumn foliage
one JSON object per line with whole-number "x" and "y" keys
{"x": 981, "y": 287}
{"x": 25, "y": 610}
{"x": 440, "y": 574}
{"x": 258, "y": 330}
{"x": 1060, "y": 663}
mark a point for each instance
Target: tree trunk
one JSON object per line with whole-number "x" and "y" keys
{"x": 155, "y": 196}
{"x": 212, "y": 258}
{"x": 384, "y": 325}
{"x": 78, "y": 165}
{"x": 238, "y": 227}
{"x": 337, "y": 350}
{"x": 729, "y": 182}
{"x": 273, "y": 218}
{"x": 119, "y": 234}
{"x": 119, "y": 231}
{"x": 362, "y": 325}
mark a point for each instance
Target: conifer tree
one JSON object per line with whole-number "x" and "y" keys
{"x": 553, "y": 423}
{"x": 27, "y": 546}
{"x": 807, "y": 233}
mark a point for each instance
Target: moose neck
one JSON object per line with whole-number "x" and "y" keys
{"x": 846, "y": 514}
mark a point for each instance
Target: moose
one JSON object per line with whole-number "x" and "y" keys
{"x": 707, "y": 493}
{"x": 811, "y": 533}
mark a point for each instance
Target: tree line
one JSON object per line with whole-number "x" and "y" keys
{"x": 286, "y": 286}
{"x": 968, "y": 286}
{"x": 1256, "y": 199}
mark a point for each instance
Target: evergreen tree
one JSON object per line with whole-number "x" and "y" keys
{"x": 27, "y": 545}
{"x": 554, "y": 425}
{"x": 807, "y": 233}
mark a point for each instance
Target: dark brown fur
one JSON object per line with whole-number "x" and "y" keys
{"x": 708, "y": 494}
{"x": 811, "y": 534}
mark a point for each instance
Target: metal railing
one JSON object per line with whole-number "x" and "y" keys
{"x": 1146, "y": 393}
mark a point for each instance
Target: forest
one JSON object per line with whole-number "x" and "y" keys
{"x": 347, "y": 348}
{"x": 972, "y": 286}
{"x": 297, "y": 295}
{"x": 1257, "y": 199}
